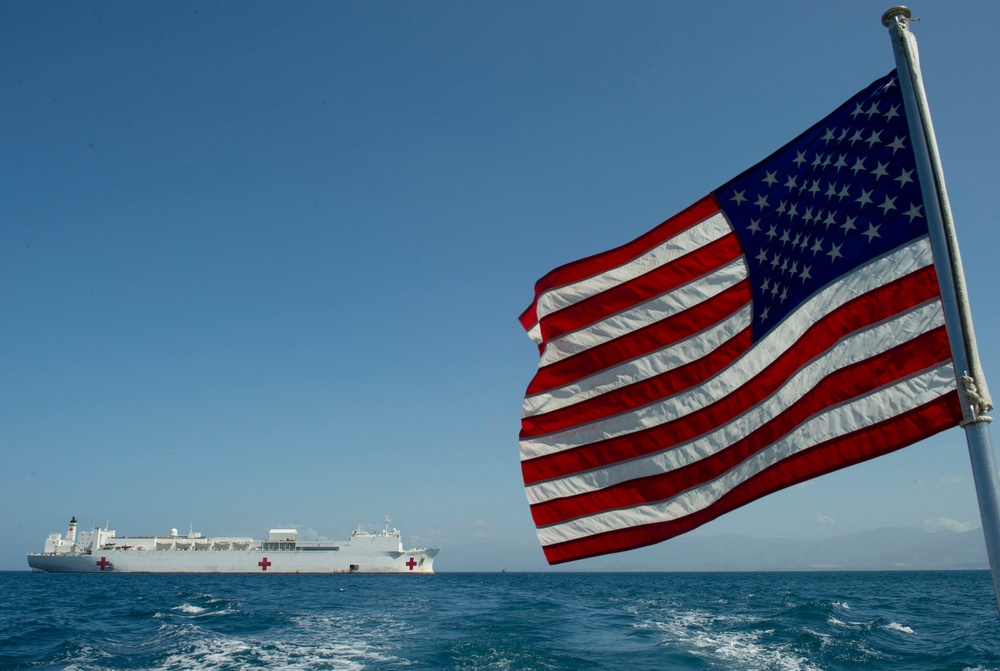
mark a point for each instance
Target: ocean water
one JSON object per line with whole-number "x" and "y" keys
{"x": 504, "y": 622}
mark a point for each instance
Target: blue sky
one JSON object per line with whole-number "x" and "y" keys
{"x": 261, "y": 263}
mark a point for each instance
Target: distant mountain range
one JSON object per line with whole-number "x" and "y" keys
{"x": 877, "y": 550}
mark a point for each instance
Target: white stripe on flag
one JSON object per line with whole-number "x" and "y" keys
{"x": 863, "y": 412}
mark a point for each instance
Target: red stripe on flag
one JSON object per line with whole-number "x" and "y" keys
{"x": 597, "y": 263}
{"x": 883, "y": 438}
{"x": 847, "y": 383}
{"x": 656, "y": 282}
{"x": 882, "y": 303}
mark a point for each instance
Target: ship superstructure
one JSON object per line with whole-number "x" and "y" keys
{"x": 102, "y": 550}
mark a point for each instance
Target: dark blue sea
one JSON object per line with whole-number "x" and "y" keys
{"x": 503, "y": 622}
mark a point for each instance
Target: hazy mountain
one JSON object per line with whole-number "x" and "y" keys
{"x": 877, "y": 550}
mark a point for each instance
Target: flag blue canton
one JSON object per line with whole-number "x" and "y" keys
{"x": 841, "y": 194}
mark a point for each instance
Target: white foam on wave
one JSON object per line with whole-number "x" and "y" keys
{"x": 188, "y": 608}
{"x": 218, "y": 652}
{"x": 88, "y": 657}
{"x": 191, "y": 609}
{"x": 492, "y": 659}
{"x": 854, "y": 645}
{"x": 339, "y": 643}
{"x": 824, "y": 639}
{"x": 707, "y": 635}
{"x": 681, "y": 624}
{"x": 895, "y": 626}
{"x": 850, "y": 626}
{"x": 749, "y": 650}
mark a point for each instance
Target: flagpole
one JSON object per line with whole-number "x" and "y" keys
{"x": 948, "y": 263}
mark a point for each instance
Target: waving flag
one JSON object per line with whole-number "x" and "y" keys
{"x": 787, "y": 325}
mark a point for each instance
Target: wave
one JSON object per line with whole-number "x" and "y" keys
{"x": 895, "y": 626}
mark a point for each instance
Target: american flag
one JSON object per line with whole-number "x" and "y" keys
{"x": 785, "y": 326}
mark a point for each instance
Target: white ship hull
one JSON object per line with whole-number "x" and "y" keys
{"x": 101, "y": 551}
{"x": 230, "y": 561}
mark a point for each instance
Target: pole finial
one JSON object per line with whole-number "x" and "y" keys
{"x": 890, "y": 15}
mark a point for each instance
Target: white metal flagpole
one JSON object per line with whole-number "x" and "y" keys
{"x": 948, "y": 263}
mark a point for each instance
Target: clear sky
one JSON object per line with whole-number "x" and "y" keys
{"x": 261, "y": 263}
